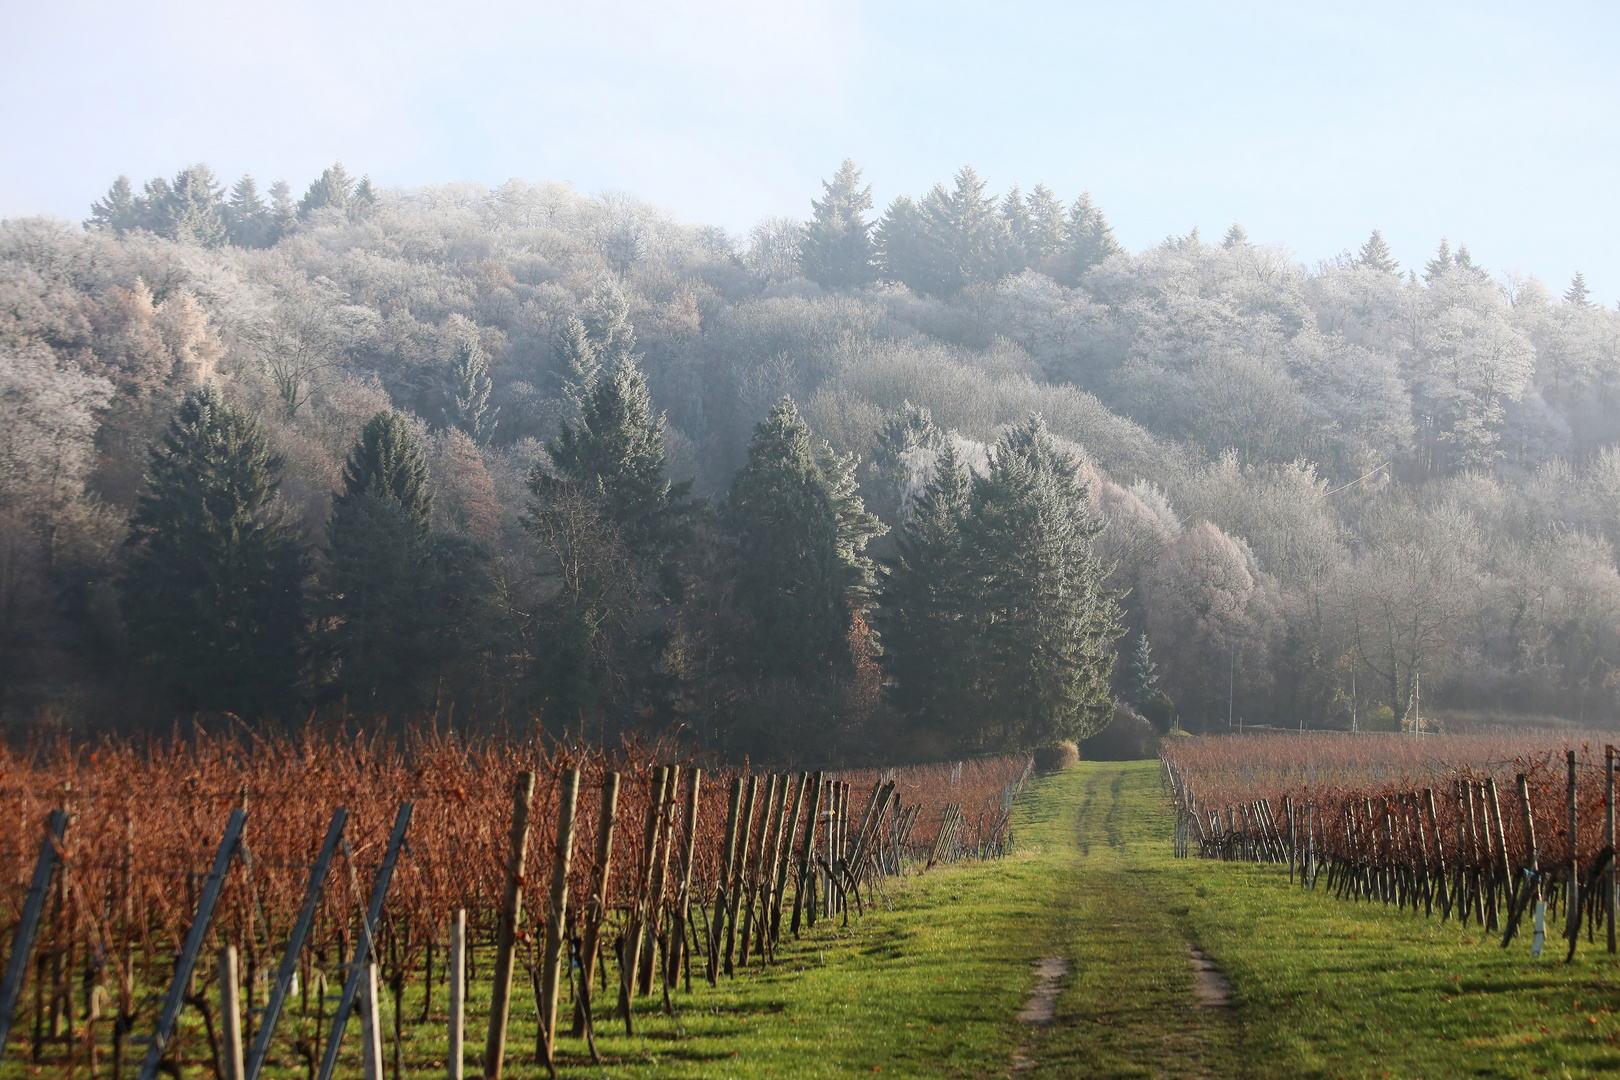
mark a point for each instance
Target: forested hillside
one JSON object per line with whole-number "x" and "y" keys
{"x": 936, "y": 476}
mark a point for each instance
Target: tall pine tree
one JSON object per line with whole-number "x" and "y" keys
{"x": 379, "y": 583}
{"x": 212, "y": 593}
{"x": 468, "y": 386}
{"x": 795, "y": 533}
{"x": 1090, "y": 240}
{"x": 837, "y": 249}
{"x": 616, "y": 456}
{"x": 1375, "y": 255}
{"x": 927, "y": 603}
{"x": 1043, "y": 624}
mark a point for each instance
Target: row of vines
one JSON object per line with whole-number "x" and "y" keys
{"x": 1487, "y": 829}
{"x": 661, "y": 871}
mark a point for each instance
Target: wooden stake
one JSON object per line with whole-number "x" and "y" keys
{"x": 230, "y": 1015}
{"x": 606, "y": 820}
{"x": 458, "y": 994}
{"x": 679, "y": 953}
{"x": 745, "y": 828}
{"x": 806, "y": 867}
{"x": 728, "y": 857}
{"x": 1608, "y": 838}
{"x": 1572, "y": 899}
{"x": 370, "y": 1024}
{"x": 562, "y": 858}
{"x": 506, "y": 936}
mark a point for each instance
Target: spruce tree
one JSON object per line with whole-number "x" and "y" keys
{"x": 1042, "y": 624}
{"x": 927, "y": 604}
{"x": 1375, "y": 255}
{"x": 332, "y": 188}
{"x": 1090, "y": 240}
{"x": 1440, "y": 265}
{"x": 788, "y": 575}
{"x": 964, "y": 233}
{"x": 283, "y": 212}
{"x": 837, "y": 249}
{"x": 1016, "y": 229}
{"x": 379, "y": 585}
{"x": 905, "y": 253}
{"x": 578, "y": 361}
{"x": 468, "y": 387}
{"x": 194, "y": 214}
{"x": 1235, "y": 237}
{"x": 246, "y": 217}
{"x": 388, "y": 463}
{"x": 1046, "y": 227}
{"x": 1578, "y": 293}
{"x": 212, "y": 593}
{"x": 116, "y": 210}
{"x": 1144, "y": 672}
{"x": 616, "y": 456}
{"x": 606, "y": 315}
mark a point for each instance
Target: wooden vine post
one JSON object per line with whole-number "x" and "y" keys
{"x": 457, "y": 976}
{"x": 806, "y": 867}
{"x": 728, "y": 855}
{"x": 1572, "y": 900}
{"x": 562, "y": 859}
{"x": 230, "y": 1015}
{"x": 679, "y": 953}
{"x": 500, "y": 1002}
{"x": 1608, "y": 838}
{"x": 787, "y": 856}
{"x": 745, "y": 829}
{"x": 596, "y": 908}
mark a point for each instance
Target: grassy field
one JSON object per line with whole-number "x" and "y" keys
{"x": 930, "y": 983}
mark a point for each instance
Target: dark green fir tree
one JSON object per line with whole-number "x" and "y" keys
{"x": 837, "y": 250}
{"x": 212, "y": 596}
{"x": 1375, "y": 255}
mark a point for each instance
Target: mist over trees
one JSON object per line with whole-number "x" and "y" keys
{"x": 949, "y": 474}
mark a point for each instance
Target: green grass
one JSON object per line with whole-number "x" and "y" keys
{"x": 929, "y": 984}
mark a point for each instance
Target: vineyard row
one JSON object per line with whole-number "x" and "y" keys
{"x": 1443, "y": 836}
{"x": 367, "y": 864}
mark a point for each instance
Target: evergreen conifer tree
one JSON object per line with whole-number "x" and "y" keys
{"x": 964, "y": 235}
{"x": 1016, "y": 230}
{"x": 1375, "y": 255}
{"x": 212, "y": 593}
{"x": 788, "y": 571}
{"x": 332, "y": 188}
{"x": 1046, "y": 227}
{"x": 927, "y": 604}
{"x": 116, "y": 210}
{"x": 468, "y": 387}
{"x": 1042, "y": 623}
{"x": 1578, "y": 293}
{"x": 837, "y": 249}
{"x": 606, "y": 315}
{"x": 194, "y": 214}
{"x": 283, "y": 212}
{"x": 246, "y": 217}
{"x": 1090, "y": 240}
{"x": 904, "y": 250}
{"x": 616, "y": 456}
{"x": 1144, "y": 672}
{"x": 1440, "y": 265}
{"x": 578, "y": 363}
{"x": 1235, "y": 237}
{"x": 365, "y": 196}
{"x": 380, "y": 583}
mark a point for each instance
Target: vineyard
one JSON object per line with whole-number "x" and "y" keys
{"x": 232, "y": 901}
{"x": 1485, "y": 829}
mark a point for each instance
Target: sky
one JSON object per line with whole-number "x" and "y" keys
{"x": 1493, "y": 125}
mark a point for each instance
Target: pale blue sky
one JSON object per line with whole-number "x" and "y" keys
{"x": 1492, "y": 124}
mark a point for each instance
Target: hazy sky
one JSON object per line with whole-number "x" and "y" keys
{"x": 1491, "y": 124}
